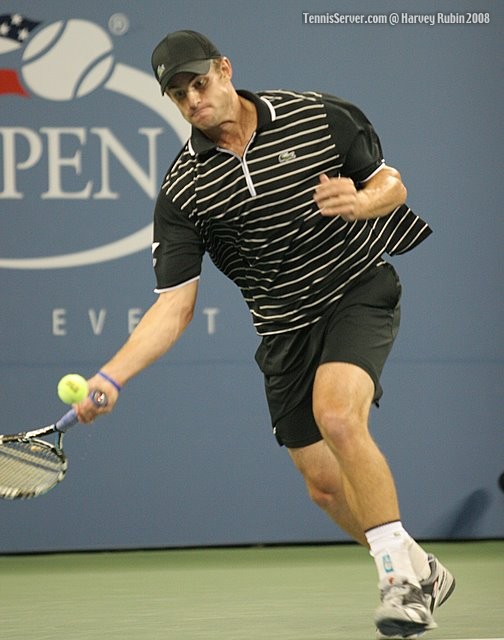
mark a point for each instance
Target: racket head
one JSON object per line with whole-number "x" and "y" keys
{"x": 30, "y": 467}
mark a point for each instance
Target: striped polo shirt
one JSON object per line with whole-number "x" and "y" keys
{"x": 256, "y": 217}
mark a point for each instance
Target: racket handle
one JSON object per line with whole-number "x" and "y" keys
{"x": 66, "y": 421}
{"x": 70, "y": 418}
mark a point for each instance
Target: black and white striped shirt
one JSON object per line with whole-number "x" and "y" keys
{"x": 256, "y": 217}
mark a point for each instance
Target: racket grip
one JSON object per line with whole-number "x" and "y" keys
{"x": 66, "y": 421}
{"x": 70, "y": 418}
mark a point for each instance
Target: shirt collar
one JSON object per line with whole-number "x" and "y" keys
{"x": 199, "y": 143}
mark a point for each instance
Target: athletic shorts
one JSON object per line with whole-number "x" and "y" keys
{"x": 360, "y": 329}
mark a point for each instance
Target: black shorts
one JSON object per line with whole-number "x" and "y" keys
{"x": 359, "y": 329}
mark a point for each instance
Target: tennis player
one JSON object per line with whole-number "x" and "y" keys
{"x": 289, "y": 194}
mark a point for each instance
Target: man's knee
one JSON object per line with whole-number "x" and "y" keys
{"x": 340, "y": 423}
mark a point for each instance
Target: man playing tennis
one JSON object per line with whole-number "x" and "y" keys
{"x": 289, "y": 194}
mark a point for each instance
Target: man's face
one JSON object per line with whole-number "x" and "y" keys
{"x": 204, "y": 101}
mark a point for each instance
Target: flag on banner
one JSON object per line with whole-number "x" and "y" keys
{"x": 15, "y": 30}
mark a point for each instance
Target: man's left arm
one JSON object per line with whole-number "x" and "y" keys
{"x": 383, "y": 192}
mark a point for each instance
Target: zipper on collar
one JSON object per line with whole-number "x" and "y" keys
{"x": 244, "y": 165}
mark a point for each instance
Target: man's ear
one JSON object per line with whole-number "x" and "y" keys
{"x": 226, "y": 68}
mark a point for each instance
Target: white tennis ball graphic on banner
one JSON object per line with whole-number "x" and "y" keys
{"x": 67, "y": 59}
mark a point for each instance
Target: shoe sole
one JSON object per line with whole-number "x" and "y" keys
{"x": 393, "y": 628}
{"x": 396, "y": 637}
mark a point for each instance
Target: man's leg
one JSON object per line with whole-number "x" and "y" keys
{"x": 342, "y": 397}
{"x": 324, "y": 482}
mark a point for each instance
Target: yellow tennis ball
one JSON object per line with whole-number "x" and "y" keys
{"x": 72, "y": 388}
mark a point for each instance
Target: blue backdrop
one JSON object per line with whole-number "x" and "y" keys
{"x": 187, "y": 457}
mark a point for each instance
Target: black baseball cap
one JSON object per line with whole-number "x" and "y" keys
{"x": 182, "y": 52}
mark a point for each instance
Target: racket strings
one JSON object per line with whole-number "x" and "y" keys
{"x": 29, "y": 468}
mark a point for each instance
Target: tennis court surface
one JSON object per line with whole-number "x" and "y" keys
{"x": 256, "y": 593}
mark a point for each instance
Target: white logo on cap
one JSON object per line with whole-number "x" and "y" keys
{"x": 160, "y": 70}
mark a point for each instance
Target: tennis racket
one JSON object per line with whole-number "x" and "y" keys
{"x": 30, "y": 466}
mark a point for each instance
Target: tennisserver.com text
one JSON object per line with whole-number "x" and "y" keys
{"x": 397, "y": 18}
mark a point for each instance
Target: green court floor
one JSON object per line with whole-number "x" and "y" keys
{"x": 271, "y": 593}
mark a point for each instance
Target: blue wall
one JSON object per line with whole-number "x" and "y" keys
{"x": 187, "y": 457}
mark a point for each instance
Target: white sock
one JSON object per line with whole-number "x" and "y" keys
{"x": 389, "y": 545}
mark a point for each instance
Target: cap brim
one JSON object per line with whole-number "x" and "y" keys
{"x": 197, "y": 67}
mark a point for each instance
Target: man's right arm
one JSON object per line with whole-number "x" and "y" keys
{"x": 155, "y": 334}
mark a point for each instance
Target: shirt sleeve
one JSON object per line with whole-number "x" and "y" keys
{"x": 355, "y": 138}
{"x": 177, "y": 249}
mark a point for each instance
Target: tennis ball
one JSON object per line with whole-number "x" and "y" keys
{"x": 72, "y": 388}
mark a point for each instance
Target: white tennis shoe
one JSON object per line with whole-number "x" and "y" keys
{"x": 403, "y": 611}
{"x": 436, "y": 590}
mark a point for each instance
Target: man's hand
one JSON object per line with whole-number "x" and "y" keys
{"x": 87, "y": 410}
{"x": 337, "y": 197}
{"x": 379, "y": 195}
